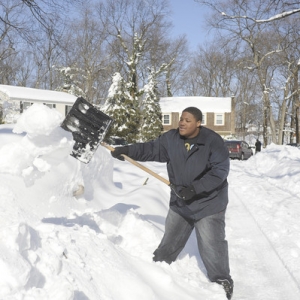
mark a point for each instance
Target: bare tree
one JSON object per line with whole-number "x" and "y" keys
{"x": 175, "y": 52}
{"x": 138, "y": 40}
{"x": 25, "y": 18}
{"x": 212, "y": 71}
{"x": 276, "y": 9}
{"x": 86, "y": 50}
{"x": 263, "y": 42}
{"x": 217, "y": 71}
{"x": 24, "y": 24}
{"x": 288, "y": 79}
{"x": 47, "y": 54}
{"x": 148, "y": 20}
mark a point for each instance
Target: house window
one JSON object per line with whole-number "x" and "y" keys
{"x": 203, "y": 119}
{"x": 50, "y": 105}
{"x": 26, "y": 105}
{"x": 67, "y": 109}
{"x": 166, "y": 120}
{"x": 219, "y": 119}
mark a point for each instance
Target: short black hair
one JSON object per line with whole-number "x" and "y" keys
{"x": 196, "y": 112}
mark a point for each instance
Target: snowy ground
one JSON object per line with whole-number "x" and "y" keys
{"x": 99, "y": 245}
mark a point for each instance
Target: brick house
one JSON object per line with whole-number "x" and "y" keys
{"x": 218, "y": 113}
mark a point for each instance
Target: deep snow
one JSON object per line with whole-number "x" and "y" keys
{"x": 99, "y": 245}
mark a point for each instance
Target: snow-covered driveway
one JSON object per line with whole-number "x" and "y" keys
{"x": 263, "y": 233}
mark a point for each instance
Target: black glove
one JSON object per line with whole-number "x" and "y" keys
{"x": 187, "y": 193}
{"x": 118, "y": 151}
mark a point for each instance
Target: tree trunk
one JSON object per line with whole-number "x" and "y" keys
{"x": 297, "y": 103}
{"x": 282, "y": 117}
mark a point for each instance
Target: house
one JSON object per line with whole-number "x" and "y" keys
{"x": 218, "y": 113}
{"x": 16, "y": 99}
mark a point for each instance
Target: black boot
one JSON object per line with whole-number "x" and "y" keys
{"x": 227, "y": 285}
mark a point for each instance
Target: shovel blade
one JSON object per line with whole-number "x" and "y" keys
{"x": 88, "y": 126}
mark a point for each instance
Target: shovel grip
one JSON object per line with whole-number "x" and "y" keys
{"x": 138, "y": 165}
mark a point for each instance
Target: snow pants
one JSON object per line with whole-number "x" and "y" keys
{"x": 210, "y": 233}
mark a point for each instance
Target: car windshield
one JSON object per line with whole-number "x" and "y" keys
{"x": 120, "y": 142}
{"x": 231, "y": 144}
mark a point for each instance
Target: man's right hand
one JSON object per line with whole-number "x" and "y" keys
{"x": 117, "y": 153}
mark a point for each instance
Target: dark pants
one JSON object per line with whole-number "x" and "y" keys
{"x": 210, "y": 232}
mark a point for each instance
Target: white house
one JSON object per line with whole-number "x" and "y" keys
{"x": 218, "y": 112}
{"x": 17, "y": 99}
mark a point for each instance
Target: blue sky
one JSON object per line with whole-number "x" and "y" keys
{"x": 188, "y": 17}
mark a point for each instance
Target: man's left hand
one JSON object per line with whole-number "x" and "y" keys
{"x": 187, "y": 193}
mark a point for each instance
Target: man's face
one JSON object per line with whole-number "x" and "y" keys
{"x": 188, "y": 126}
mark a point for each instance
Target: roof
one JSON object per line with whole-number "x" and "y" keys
{"x": 205, "y": 104}
{"x": 18, "y": 93}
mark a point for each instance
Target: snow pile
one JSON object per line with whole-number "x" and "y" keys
{"x": 44, "y": 145}
{"x": 279, "y": 165}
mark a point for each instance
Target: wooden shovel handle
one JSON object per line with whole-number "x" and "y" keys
{"x": 138, "y": 165}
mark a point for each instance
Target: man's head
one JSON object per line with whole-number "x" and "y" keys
{"x": 190, "y": 122}
{"x": 196, "y": 112}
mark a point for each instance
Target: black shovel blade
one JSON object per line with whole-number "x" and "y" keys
{"x": 89, "y": 126}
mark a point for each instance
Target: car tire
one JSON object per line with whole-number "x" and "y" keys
{"x": 242, "y": 156}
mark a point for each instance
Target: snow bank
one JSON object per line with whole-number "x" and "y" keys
{"x": 279, "y": 165}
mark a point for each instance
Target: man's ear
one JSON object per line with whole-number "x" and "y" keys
{"x": 198, "y": 124}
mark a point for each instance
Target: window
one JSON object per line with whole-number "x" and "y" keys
{"x": 50, "y": 105}
{"x": 203, "y": 119}
{"x": 166, "y": 120}
{"x": 67, "y": 109}
{"x": 219, "y": 119}
{"x": 26, "y": 105}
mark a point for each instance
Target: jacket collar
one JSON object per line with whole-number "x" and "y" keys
{"x": 201, "y": 136}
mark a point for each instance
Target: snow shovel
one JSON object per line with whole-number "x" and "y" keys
{"x": 88, "y": 126}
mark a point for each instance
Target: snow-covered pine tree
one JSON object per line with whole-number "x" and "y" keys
{"x": 117, "y": 106}
{"x": 151, "y": 124}
{"x": 69, "y": 85}
{"x": 122, "y": 103}
{"x": 133, "y": 102}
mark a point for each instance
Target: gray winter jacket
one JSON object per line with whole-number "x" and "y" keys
{"x": 205, "y": 166}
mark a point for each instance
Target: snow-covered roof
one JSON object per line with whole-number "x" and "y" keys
{"x": 205, "y": 104}
{"x": 18, "y": 93}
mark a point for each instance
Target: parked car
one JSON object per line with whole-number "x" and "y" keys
{"x": 115, "y": 140}
{"x": 294, "y": 145}
{"x": 239, "y": 149}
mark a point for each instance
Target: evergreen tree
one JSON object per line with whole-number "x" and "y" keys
{"x": 122, "y": 103}
{"x": 151, "y": 126}
{"x": 134, "y": 119}
{"x": 118, "y": 107}
{"x": 115, "y": 105}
